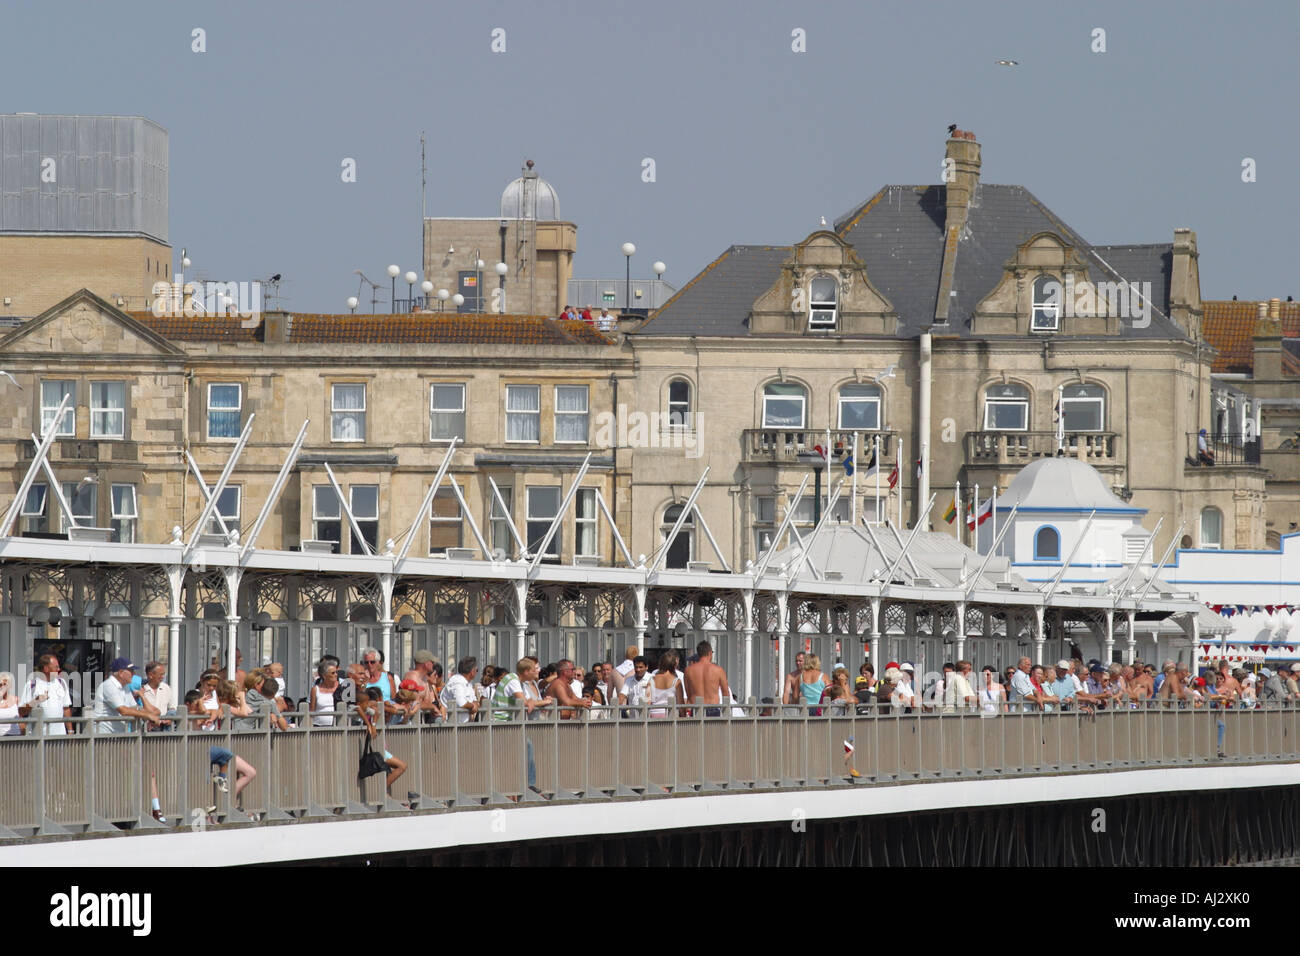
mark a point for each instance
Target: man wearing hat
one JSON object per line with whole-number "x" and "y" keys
{"x": 112, "y": 699}
{"x": 904, "y": 689}
{"x": 1272, "y": 690}
{"x": 1292, "y": 681}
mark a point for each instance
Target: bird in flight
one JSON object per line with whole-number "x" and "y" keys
{"x": 1008, "y": 62}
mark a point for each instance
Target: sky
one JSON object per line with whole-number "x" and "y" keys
{"x": 751, "y": 142}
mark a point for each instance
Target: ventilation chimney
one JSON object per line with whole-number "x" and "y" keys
{"x": 961, "y": 174}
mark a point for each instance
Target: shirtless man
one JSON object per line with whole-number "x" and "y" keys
{"x": 561, "y": 689}
{"x": 422, "y": 672}
{"x": 1231, "y": 686}
{"x": 790, "y": 694}
{"x": 706, "y": 682}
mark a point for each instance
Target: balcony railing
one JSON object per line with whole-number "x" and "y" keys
{"x": 1230, "y": 450}
{"x": 784, "y": 445}
{"x": 1019, "y": 448}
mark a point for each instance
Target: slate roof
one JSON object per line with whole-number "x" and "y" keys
{"x": 1230, "y": 328}
{"x": 899, "y": 235}
{"x": 313, "y": 328}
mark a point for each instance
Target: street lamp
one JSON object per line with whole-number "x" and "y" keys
{"x": 426, "y": 287}
{"x": 818, "y": 464}
{"x": 410, "y": 278}
{"x": 479, "y": 265}
{"x": 393, "y": 272}
{"x": 443, "y": 295}
{"x": 659, "y": 270}
{"x": 501, "y": 270}
{"x": 352, "y": 303}
{"x": 458, "y": 300}
{"x": 628, "y": 250}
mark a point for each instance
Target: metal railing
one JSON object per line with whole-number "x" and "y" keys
{"x": 1008, "y": 447}
{"x": 93, "y": 781}
{"x": 1226, "y": 450}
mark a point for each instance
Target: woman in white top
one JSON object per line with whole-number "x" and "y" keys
{"x": 325, "y": 695}
{"x": 666, "y": 687}
{"x": 992, "y": 695}
{"x": 8, "y": 705}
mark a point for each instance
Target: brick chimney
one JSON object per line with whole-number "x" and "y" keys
{"x": 1266, "y": 342}
{"x": 961, "y": 173}
{"x": 1185, "y": 283}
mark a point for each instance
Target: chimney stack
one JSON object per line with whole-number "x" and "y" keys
{"x": 961, "y": 174}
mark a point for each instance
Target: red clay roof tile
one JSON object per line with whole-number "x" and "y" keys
{"x": 1230, "y": 328}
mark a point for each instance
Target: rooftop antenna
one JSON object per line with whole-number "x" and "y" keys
{"x": 374, "y": 290}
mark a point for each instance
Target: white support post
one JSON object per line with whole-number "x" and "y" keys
{"x": 1163, "y": 558}
{"x": 221, "y": 482}
{"x": 62, "y": 499}
{"x": 473, "y": 525}
{"x": 281, "y": 480}
{"x": 681, "y": 519}
{"x": 618, "y": 538}
{"x": 898, "y": 539}
{"x": 1136, "y": 564}
{"x": 422, "y": 515}
{"x": 564, "y": 509}
{"x": 920, "y": 522}
{"x": 997, "y": 541}
{"x": 780, "y": 532}
{"x": 804, "y": 554}
{"x": 205, "y": 491}
{"x": 748, "y": 598}
{"x": 42, "y": 449}
{"x": 1060, "y": 575}
{"x": 704, "y": 525}
{"x": 510, "y": 522}
{"x": 347, "y": 509}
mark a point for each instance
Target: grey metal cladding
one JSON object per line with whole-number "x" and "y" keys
{"x": 110, "y": 175}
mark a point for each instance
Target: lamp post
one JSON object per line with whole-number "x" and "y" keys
{"x": 410, "y": 278}
{"x": 659, "y": 270}
{"x": 628, "y": 250}
{"x": 478, "y": 282}
{"x": 818, "y": 463}
{"x": 393, "y": 272}
{"x": 352, "y": 303}
{"x": 443, "y": 295}
{"x": 501, "y": 270}
{"x": 426, "y": 287}
{"x": 457, "y": 300}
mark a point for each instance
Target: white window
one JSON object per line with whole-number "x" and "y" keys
{"x": 1084, "y": 408}
{"x": 1047, "y": 304}
{"x": 124, "y": 513}
{"x": 225, "y": 402}
{"x": 679, "y": 555}
{"x": 585, "y": 523}
{"x": 502, "y": 539}
{"x": 107, "y": 409}
{"x": 571, "y": 413}
{"x": 83, "y": 499}
{"x": 783, "y": 406}
{"x": 1211, "y": 528}
{"x": 326, "y": 516}
{"x": 348, "y": 413}
{"x": 764, "y": 524}
{"x": 523, "y": 413}
{"x": 35, "y": 520}
{"x": 543, "y": 506}
{"x": 1006, "y": 408}
{"x": 822, "y": 298}
{"x": 445, "y": 522}
{"x": 365, "y": 508}
{"x": 803, "y": 511}
{"x": 679, "y": 403}
{"x": 228, "y": 508}
{"x": 52, "y": 393}
{"x": 860, "y": 407}
{"x": 446, "y": 412}
{"x": 1047, "y": 544}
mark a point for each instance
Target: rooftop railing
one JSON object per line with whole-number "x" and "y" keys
{"x": 91, "y": 782}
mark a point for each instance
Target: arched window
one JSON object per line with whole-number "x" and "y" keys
{"x": 679, "y": 403}
{"x": 1006, "y": 408}
{"x": 1084, "y": 408}
{"x": 784, "y": 405}
{"x": 1211, "y": 528}
{"x": 680, "y": 553}
{"x": 1047, "y": 304}
{"x": 1047, "y": 544}
{"x": 860, "y": 407}
{"x": 823, "y": 293}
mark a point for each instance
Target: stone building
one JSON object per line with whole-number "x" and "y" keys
{"x": 83, "y": 204}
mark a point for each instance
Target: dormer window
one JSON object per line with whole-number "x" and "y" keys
{"x": 1047, "y": 305}
{"x": 823, "y": 296}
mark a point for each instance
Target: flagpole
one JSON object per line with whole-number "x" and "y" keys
{"x": 853, "y": 502}
{"x": 994, "y": 532}
{"x": 956, "y": 502}
{"x": 827, "y": 506}
{"x": 875, "y": 456}
{"x": 975, "y": 513}
{"x": 901, "y": 459}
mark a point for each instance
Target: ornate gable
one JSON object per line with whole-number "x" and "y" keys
{"x": 823, "y": 290}
{"x": 84, "y": 324}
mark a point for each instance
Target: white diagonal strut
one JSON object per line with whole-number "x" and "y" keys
{"x": 221, "y": 482}
{"x": 780, "y": 532}
{"x": 1129, "y": 580}
{"x": 42, "y": 449}
{"x": 280, "y": 480}
{"x": 920, "y": 522}
{"x": 1078, "y": 542}
{"x": 564, "y": 507}
{"x": 347, "y": 509}
{"x": 205, "y": 491}
{"x": 66, "y": 508}
{"x": 681, "y": 520}
{"x": 993, "y": 549}
{"x": 505, "y": 515}
{"x": 469, "y": 516}
{"x": 1163, "y": 558}
{"x": 423, "y": 514}
{"x": 618, "y": 538}
{"x": 806, "y": 556}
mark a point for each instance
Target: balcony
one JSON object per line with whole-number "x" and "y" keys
{"x": 1020, "y": 448}
{"x": 782, "y": 446}
{"x": 1228, "y": 450}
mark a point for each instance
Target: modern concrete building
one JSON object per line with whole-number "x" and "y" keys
{"x": 83, "y": 204}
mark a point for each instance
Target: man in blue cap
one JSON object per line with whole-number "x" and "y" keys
{"x": 114, "y": 699}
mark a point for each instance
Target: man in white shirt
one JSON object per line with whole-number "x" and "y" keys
{"x": 46, "y": 696}
{"x": 605, "y": 322}
{"x": 154, "y": 692}
{"x": 906, "y": 696}
{"x": 636, "y": 689}
{"x": 112, "y": 699}
{"x": 458, "y": 694}
{"x": 1022, "y": 688}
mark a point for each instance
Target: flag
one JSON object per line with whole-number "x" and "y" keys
{"x": 976, "y": 518}
{"x": 893, "y": 477}
{"x": 952, "y": 510}
{"x": 873, "y": 466}
{"x": 848, "y": 464}
{"x": 820, "y": 450}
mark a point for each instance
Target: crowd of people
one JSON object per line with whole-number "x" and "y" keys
{"x": 601, "y": 323}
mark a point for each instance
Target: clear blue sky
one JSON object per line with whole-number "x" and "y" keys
{"x": 752, "y": 142}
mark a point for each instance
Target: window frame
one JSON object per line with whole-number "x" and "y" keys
{"x": 363, "y": 521}
{"x": 802, "y": 398}
{"x": 535, "y": 414}
{"x": 446, "y": 521}
{"x": 842, "y": 399}
{"x": 1005, "y": 401}
{"x": 97, "y": 410}
{"x": 500, "y": 536}
{"x": 231, "y": 520}
{"x": 36, "y": 522}
{"x": 69, "y": 415}
{"x": 818, "y": 308}
{"x": 123, "y": 521}
{"x": 554, "y": 551}
{"x": 238, "y": 409}
{"x": 435, "y": 411}
{"x": 685, "y": 420}
{"x": 317, "y": 517}
{"x": 1200, "y": 529}
{"x": 90, "y": 518}
{"x": 585, "y": 415}
{"x": 1038, "y": 554}
{"x": 335, "y": 412}
{"x": 687, "y": 528}
{"x": 589, "y": 525}
{"x": 1099, "y": 400}
{"x": 1045, "y": 306}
